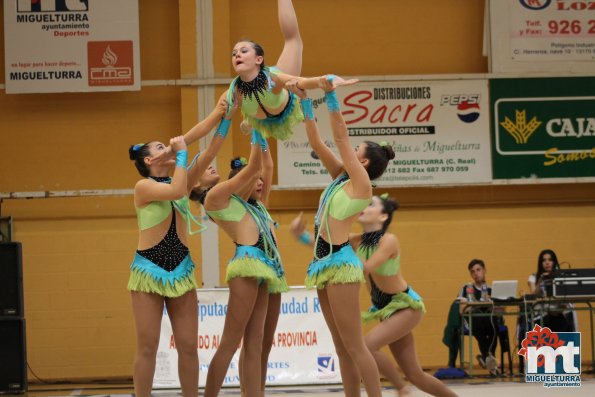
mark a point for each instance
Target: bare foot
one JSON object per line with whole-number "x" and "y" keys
{"x": 245, "y": 127}
{"x": 329, "y": 82}
{"x": 407, "y": 391}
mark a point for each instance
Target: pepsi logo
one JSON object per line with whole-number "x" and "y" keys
{"x": 467, "y": 112}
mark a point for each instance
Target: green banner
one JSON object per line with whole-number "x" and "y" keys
{"x": 543, "y": 127}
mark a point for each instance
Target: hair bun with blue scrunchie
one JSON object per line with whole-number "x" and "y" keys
{"x": 238, "y": 162}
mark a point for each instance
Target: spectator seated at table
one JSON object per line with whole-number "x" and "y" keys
{"x": 483, "y": 328}
{"x": 558, "y": 317}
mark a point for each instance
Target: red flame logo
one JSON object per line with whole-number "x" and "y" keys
{"x": 109, "y": 57}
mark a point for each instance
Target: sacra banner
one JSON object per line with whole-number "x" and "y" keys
{"x": 438, "y": 129}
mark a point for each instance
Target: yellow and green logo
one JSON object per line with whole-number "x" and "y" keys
{"x": 520, "y": 130}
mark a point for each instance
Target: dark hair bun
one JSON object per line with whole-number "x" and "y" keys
{"x": 389, "y": 204}
{"x": 132, "y": 153}
{"x": 237, "y": 163}
{"x": 390, "y": 153}
{"x": 392, "y": 204}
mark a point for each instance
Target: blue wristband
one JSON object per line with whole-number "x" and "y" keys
{"x": 181, "y": 158}
{"x": 331, "y": 101}
{"x": 264, "y": 145}
{"x": 223, "y": 128}
{"x": 305, "y": 238}
{"x": 258, "y": 139}
{"x": 331, "y": 97}
{"x": 255, "y": 137}
{"x": 307, "y": 108}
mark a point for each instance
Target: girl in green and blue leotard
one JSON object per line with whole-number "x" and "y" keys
{"x": 254, "y": 269}
{"x": 260, "y": 90}
{"x": 162, "y": 272}
{"x": 264, "y": 102}
{"x": 259, "y": 199}
{"x": 336, "y": 271}
{"x": 394, "y": 303}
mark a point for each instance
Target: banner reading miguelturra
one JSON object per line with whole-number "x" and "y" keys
{"x": 439, "y": 131}
{"x": 302, "y": 352}
{"x": 71, "y": 45}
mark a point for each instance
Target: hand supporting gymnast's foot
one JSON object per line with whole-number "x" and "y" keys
{"x": 327, "y": 83}
{"x": 292, "y": 86}
{"x": 330, "y": 82}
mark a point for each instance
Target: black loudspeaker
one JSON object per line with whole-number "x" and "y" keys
{"x": 11, "y": 280}
{"x": 13, "y": 355}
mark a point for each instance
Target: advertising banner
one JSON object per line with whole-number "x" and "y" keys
{"x": 439, "y": 131}
{"x": 541, "y": 36}
{"x": 543, "y": 128}
{"x": 71, "y": 45}
{"x": 302, "y": 353}
{"x": 552, "y": 30}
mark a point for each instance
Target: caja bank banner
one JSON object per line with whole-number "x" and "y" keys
{"x": 544, "y": 128}
{"x": 439, "y": 131}
{"x": 71, "y": 45}
{"x": 302, "y": 352}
